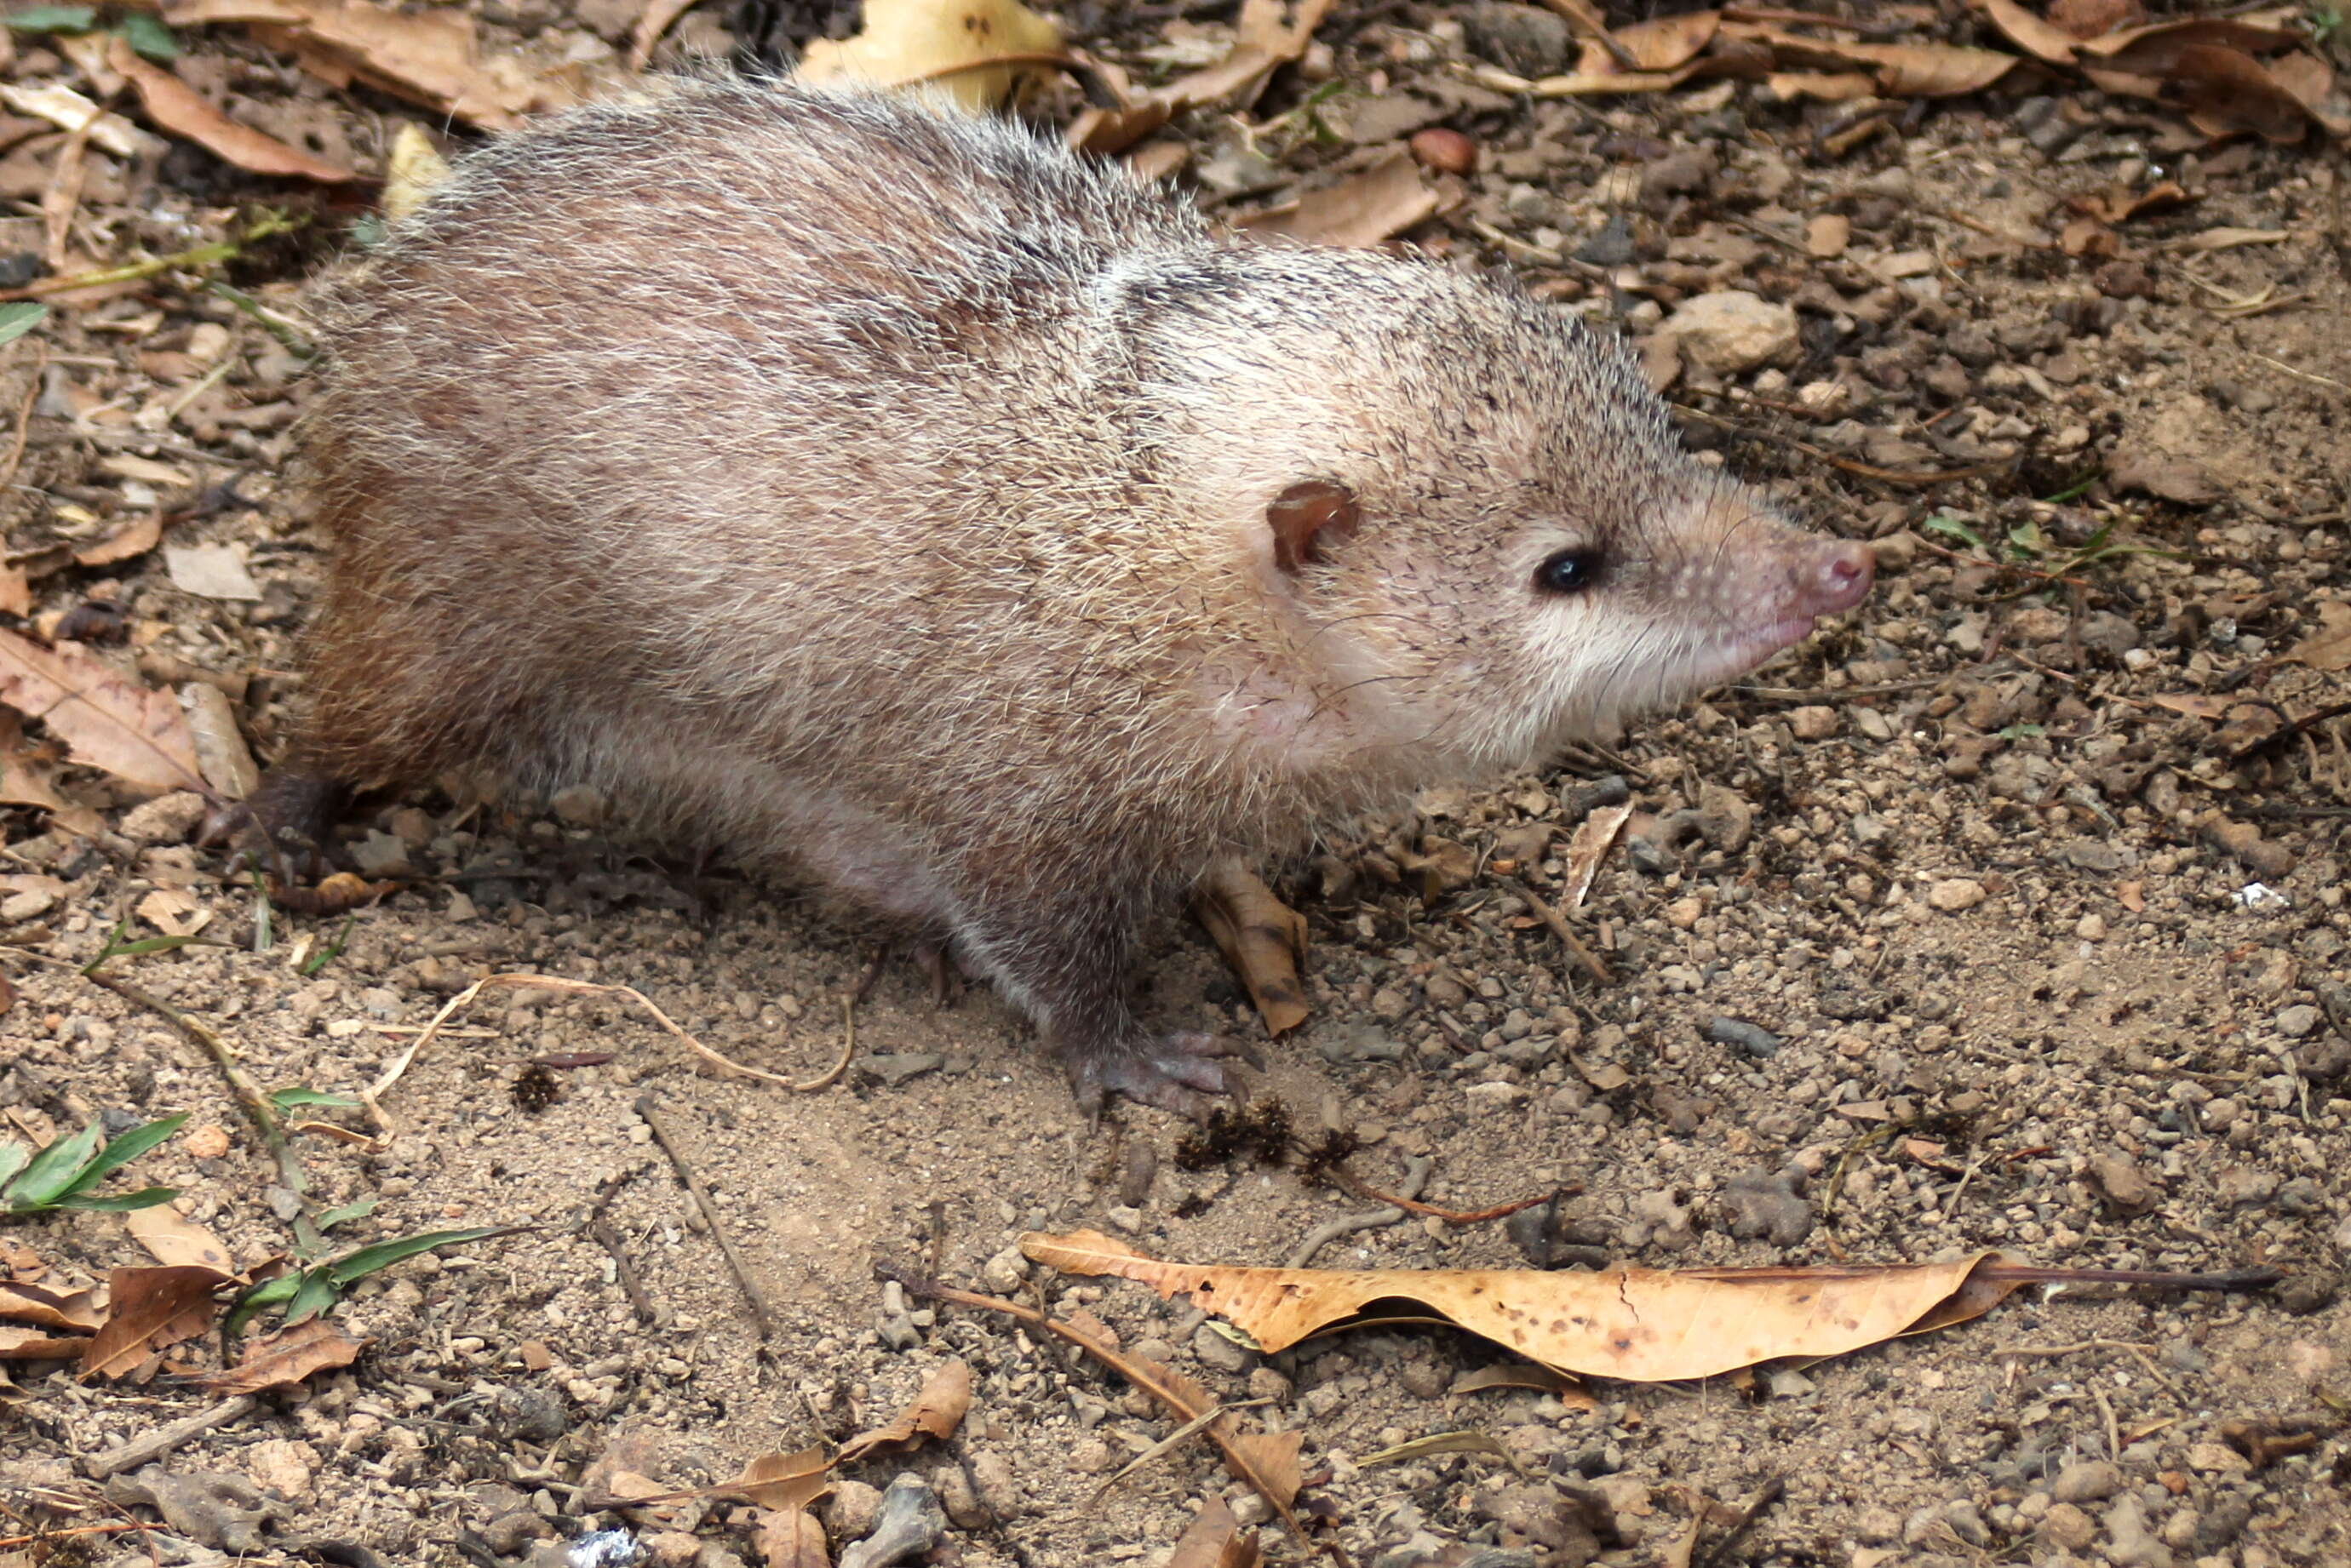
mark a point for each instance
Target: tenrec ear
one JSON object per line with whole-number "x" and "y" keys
{"x": 1309, "y": 514}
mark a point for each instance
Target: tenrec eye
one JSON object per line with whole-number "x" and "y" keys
{"x": 1569, "y": 572}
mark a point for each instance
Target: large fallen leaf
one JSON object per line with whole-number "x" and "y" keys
{"x": 1383, "y": 201}
{"x": 1637, "y": 1325}
{"x": 936, "y": 1414}
{"x": 432, "y": 58}
{"x": 2329, "y": 648}
{"x": 148, "y": 1311}
{"x": 945, "y": 42}
{"x": 106, "y": 720}
{"x": 287, "y": 1357}
{"x": 1263, "y": 938}
{"x": 183, "y": 111}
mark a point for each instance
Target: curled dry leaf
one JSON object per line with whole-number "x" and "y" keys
{"x": 2154, "y": 51}
{"x": 1637, "y": 1324}
{"x": 1263, "y": 938}
{"x": 287, "y": 1357}
{"x": 106, "y": 720}
{"x": 1382, "y": 201}
{"x": 432, "y": 58}
{"x": 183, "y": 111}
{"x": 947, "y": 42}
{"x": 1593, "y": 834}
{"x": 2051, "y": 45}
{"x": 936, "y": 1414}
{"x": 24, "y": 1301}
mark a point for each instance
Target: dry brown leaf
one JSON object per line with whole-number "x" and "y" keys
{"x": 2311, "y": 80}
{"x": 148, "y": 1310}
{"x": 20, "y": 1343}
{"x": 135, "y": 537}
{"x": 936, "y": 1414}
{"x": 1588, "y": 848}
{"x": 790, "y": 1538}
{"x": 106, "y": 720}
{"x": 171, "y": 1236}
{"x": 944, "y": 42}
{"x": 2029, "y": 32}
{"x": 2329, "y": 648}
{"x": 15, "y": 590}
{"x": 2227, "y": 91}
{"x": 1662, "y": 44}
{"x": 21, "y": 1301}
{"x": 1263, "y": 40}
{"x": 2088, "y": 237}
{"x": 2154, "y": 51}
{"x": 286, "y": 1357}
{"x": 175, "y": 912}
{"x": 1637, "y": 1324}
{"x": 1213, "y": 1540}
{"x": 2194, "y": 704}
{"x": 785, "y": 1482}
{"x": 431, "y": 57}
{"x": 1263, "y": 938}
{"x": 1520, "y": 1375}
{"x": 179, "y": 109}
{"x": 2095, "y": 18}
{"x": 2119, "y": 207}
{"x": 1380, "y": 203}
{"x": 1903, "y": 71}
{"x": 1824, "y": 87}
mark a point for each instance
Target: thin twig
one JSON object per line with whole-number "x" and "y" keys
{"x": 154, "y": 1445}
{"x": 654, "y": 1118}
{"x": 24, "y": 416}
{"x": 1563, "y": 930}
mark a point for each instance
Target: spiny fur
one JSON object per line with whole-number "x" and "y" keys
{"x": 881, "y": 491}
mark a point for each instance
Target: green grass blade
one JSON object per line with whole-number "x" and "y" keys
{"x": 122, "y": 1151}
{"x": 145, "y": 1198}
{"x": 358, "y": 1265}
{"x": 53, "y": 1170}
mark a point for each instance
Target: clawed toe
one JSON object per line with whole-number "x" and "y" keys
{"x": 1178, "y": 1074}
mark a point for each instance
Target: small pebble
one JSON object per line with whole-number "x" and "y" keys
{"x": 1954, "y": 894}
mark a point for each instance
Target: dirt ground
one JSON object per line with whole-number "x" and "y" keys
{"x": 2020, "y": 889}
